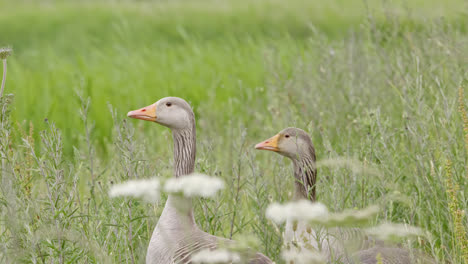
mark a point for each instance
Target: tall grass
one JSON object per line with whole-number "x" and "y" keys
{"x": 374, "y": 85}
{"x": 130, "y": 53}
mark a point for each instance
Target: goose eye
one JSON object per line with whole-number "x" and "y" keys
{"x": 168, "y": 104}
{"x": 286, "y": 136}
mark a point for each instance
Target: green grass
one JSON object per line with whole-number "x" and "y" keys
{"x": 131, "y": 54}
{"x": 376, "y": 84}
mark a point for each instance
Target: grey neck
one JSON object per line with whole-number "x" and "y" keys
{"x": 180, "y": 208}
{"x": 184, "y": 150}
{"x": 305, "y": 174}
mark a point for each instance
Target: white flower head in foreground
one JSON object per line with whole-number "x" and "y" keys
{"x": 356, "y": 166}
{"x": 389, "y": 231}
{"x": 147, "y": 189}
{"x": 194, "y": 185}
{"x": 351, "y": 217}
{"x": 215, "y": 256}
{"x": 301, "y": 210}
{"x": 302, "y": 256}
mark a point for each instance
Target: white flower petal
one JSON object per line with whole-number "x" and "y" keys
{"x": 302, "y": 256}
{"x": 394, "y": 231}
{"x": 352, "y": 217}
{"x": 302, "y": 210}
{"x": 194, "y": 185}
{"x": 147, "y": 189}
{"x": 215, "y": 256}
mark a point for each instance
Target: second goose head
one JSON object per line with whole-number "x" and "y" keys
{"x": 291, "y": 142}
{"x": 296, "y": 144}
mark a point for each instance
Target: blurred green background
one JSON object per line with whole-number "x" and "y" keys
{"x": 131, "y": 53}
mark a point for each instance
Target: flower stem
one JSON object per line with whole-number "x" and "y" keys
{"x": 4, "y": 77}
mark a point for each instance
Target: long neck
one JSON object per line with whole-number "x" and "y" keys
{"x": 184, "y": 150}
{"x": 305, "y": 174}
{"x": 179, "y": 210}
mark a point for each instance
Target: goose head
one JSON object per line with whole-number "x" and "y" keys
{"x": 172, "y": 112}
{"x": 291, "y": 142}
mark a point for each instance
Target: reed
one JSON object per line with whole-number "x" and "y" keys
{"x": 460, "y": 238}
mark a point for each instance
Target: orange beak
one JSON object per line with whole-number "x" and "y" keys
{"x": 146, "y": 113}
{"x": 269, "y": 144}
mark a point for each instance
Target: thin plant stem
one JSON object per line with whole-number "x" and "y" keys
{"x": 130, "y": 233}
{"x": 238, "y": 187}
{"x": 4, "y": 172}
{"x": 4, "y": 77}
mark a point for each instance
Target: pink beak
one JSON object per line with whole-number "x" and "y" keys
{"x": 147, "y": 113}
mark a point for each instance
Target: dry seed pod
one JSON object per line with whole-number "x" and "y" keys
{"x": 5, "y": 52}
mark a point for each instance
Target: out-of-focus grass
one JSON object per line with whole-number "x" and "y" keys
{"x": 377, "y": 85}
{"x": 130, "y": 53}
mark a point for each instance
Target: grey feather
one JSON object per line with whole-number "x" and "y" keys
{"x": 391, "y": 255}
{"x": 335, "y": 242}
{"x": 177, "y": 236}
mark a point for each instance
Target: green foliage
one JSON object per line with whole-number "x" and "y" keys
{"x": 130, "y": 54}
{"x": 375, "y": 83}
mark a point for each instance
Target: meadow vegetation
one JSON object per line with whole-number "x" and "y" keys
{"x": 378, "y": 85}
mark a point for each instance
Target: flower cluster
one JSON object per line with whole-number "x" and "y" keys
{"x": 194, "y": 185}
{"x": 390, "y": 231}
{"x": 147, "y": 189}
{"x": 302, "y": 256}
{"x": 317, "y": 213}
{"x": 302, "y": 210}
{"x": 351, "y": 217}
{"x": 215, "y": 256}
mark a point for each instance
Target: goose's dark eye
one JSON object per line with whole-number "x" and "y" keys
{"x": 286, "y": 136}
{"x": 168, "y": 104}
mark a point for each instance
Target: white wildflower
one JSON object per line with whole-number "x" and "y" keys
{"x": 351, "y": 217}
{"x": 302, "y": 256}
{"x": 356, "y": 166}
{"x": 317, "y": 213}
{"x": 195, "y": 184}
{"x": 147, "y": 189}
{"x": 215, "y": 256}
{"x": 302, "y": 210}
{"x": 389, "y": 231}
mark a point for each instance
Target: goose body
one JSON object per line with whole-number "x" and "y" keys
{"x": 334, "y": 243}
{"x": 177, "y": 236}
{"x": 296, "y": 144}
{"x": 339, "y": 245}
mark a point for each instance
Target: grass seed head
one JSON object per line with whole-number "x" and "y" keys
{"x": 5, "y": 52}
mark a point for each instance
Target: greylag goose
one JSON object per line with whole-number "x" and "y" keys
{"x": 296, "y": 144}
{"x": 177, "y": 236}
